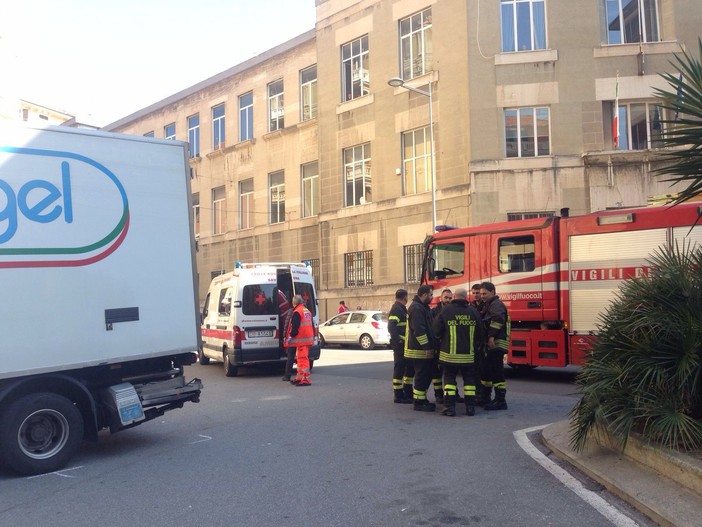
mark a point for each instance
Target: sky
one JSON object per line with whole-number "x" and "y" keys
{"x": 101, "y": 60}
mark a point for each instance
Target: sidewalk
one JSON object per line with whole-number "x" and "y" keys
{"x": 665, "y": 486}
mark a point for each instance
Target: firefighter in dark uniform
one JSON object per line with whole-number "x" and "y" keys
{"x": 402, "y": 372}
{"x": 420, "y": 346}
{"x": 477, "y": 303}
{"x": 497, "y": 324}
{"x": 460, "y": 329}
{"x": 436, "y": 375}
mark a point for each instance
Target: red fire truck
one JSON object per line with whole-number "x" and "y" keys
{"x": 556, "y": 275}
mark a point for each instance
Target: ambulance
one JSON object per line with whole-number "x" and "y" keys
{"x": 246, "y": 310}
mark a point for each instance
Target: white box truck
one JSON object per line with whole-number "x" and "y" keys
{"x": 97, "y": 272}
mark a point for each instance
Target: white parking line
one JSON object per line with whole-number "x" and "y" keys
{"x": 206, "y": 438}
{"x": 600, "y": 505}
{"x": 59, "y": 473}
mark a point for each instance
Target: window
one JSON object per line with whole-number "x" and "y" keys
{"x": 219, "y": 210}
{"x": 415, "y": 45}
{"x": 358, "y": 269}
{"x": 516, "y": 254}
{"x": 276, "y": 112}
{"x": 413, "y": 262}
{"x": 194, "y": 135}
{"x": 523, "y": 25}
{"x": 310, "y": 189}
{"x": 316, "y": 271}
{"x": 355, "y": 79}
{"x": 246, "y": 117}
{"x": 218, "y": 127}
{"x": 515, "y": 216}
{"x": 416, "y": 161}
{"x": 308, "y": 93}
{"x": 527, "y": 132}
{"x": 196, "y": 214}
{"x": 225, "y": 302}
{"x": 632, "y": 21}
{"x": 276, "y": 185}
{"x": 169, "y": 131}
{"x": 246, "y": 204}
{"x": 357, "y": 175}
{"x": 149, "y": 134}
{"x": 257, "y": 299}
{"x": 640, "y": 125}
{"x": 446, "y": 260}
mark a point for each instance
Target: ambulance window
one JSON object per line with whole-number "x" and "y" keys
{"x": 446, "y": 260}
{"x": 306, "y": 291}
{"x": 516, "y": 254}
{"x": 258, "y": 300}
{"x": 225, "y": 302}
{"x": 206, "y": 306}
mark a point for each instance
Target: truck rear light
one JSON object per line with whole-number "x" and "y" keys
{"x": 239, "y": 335}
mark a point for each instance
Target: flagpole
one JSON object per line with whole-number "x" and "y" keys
{"x": 615, "y": 119}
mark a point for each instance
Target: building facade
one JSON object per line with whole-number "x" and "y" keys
{"x": 507, "y": 108}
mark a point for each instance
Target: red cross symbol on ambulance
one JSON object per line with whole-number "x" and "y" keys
{"x": 260, "y": 299}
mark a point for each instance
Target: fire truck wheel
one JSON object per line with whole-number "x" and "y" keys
{"x": 229, "y": 369}
{"x": 41, "y": 433}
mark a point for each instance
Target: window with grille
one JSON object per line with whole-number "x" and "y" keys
{"x": 413, "y": 255}
{"x": 358, "y": 269}
{"x": 515, "y": 216}
{"x": 416, "y": 45}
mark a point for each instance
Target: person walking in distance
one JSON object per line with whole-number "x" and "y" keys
{"x": 342, "y": 307}
{"x": 459, "y": 328}
{"x": 300, "y": 335}
{"x": 420, "y": 346}
{"x": 497, "y": 324}
{"x": 402, "y": 372}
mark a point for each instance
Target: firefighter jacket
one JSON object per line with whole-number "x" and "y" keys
{"x": 460, "y": 330}
{"x": 397, "y": 324}
{"x": 300, "y": 331}
{"x": 419, "y": 339}
{"x": 497, "y": 323}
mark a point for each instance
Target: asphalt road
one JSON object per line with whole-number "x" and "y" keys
{"x": 260, "y": 452}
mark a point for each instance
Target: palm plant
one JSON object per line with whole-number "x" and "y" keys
{"x": 683, "y": 134}
{"x": 644, "y": 373}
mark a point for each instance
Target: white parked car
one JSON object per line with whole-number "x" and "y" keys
{"x": 364, "y": 328}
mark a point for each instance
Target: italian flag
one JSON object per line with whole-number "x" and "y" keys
{"x": 615, "y": 120}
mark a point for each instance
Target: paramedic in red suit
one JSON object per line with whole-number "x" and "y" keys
{"x": 285, "y": 310}
{"x": 300, "y": 335}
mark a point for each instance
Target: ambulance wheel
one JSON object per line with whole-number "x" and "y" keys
{"x": 203, "y": 360}
{"x": 229, "y": 369}
{"x": 41, "y": 433}
{"x": 366, "y": 341}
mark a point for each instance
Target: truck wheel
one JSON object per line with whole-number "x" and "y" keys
{"x": 229, "y": 369}
{"x": 202, "y": 359}
{"x": 366, "y": 341}
{"x": 41, "y": 432}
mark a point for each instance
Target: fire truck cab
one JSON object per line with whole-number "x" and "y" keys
{"x": 556, "y": 275}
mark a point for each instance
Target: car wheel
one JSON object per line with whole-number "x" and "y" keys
{"x": 229, "y": 369}
{"x": 366, "y": 341}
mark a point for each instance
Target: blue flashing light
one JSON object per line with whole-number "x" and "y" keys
{"x": 442, "y": 228}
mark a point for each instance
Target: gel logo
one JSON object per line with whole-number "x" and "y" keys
{"x": 58, "y": 209}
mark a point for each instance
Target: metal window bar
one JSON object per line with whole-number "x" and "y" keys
{"x": 413, "y": 262}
